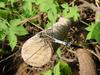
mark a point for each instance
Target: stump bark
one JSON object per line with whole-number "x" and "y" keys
{"x": 86, "y": 63}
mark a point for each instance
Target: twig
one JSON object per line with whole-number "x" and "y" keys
{"x": 94, "y": 54}
{"x": 8, "y": 57}
{"x": 36, "y": 25}
{"x": 84, "y": 22}
{"x": 96, "y": 2}
{"x": 98, "y": 47}
{"x": 31, "y": 18}
{"x": 97, "y": 51}
{"x": 72, "y": 3}
{"x": 68, "y": 60}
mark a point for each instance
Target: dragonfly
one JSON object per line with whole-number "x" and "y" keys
{"x": 55, "y": 40}
{"x": 37, "y": 50}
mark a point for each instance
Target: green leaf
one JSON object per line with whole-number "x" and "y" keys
{"x": 59, "y": 52}
{"x": 48, "y": 25}
{"x": 66, "y": 8}
{"x": 56, "y": 69}
{"x": 27, "y": 7}
{"x": 15, "y": 22}
{"x": 45, "y": 1}
{"x": 20, "y": 30}
{"x": 44, "y": 7}
{"x": 4, "y": 13}
{"x": 12, "y": 39}
{"x": 51, "y": 8}
{"x": 52, "y": 13}
{"x": 16, "y": 28}
{"x": 40, "y": 1}
{"x": 90, "y": 27}
{"x": 70, "y": 12}
{"x": 3, "y": 25}
{"x": 2, "y": 4}
{"x": 3, "y": 0}
{"x": 30, "y": 0}
{"x": 65, "y": 5}
{"x": 64, "y": 68}
{"x": 2, "y": 35}
{"x": 61, "y": 68}
{"x": 74, "y": 13}
{"x": 49, "y": 72}
{"x": 94, "y": 32}
{"x": 52, "y": 16}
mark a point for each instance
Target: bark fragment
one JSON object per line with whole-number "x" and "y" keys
{"x": 86, "y": 63}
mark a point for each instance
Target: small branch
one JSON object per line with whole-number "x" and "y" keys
{"x": 94, "y": 54}
{"x": 67, "y": 59}
{"x": 72, "y": 3}
{"x": 96, "y": 2}
{"x": 14, "y": 54}
{"x": 97, "y": 52}
{"x": 31, "y": 18}
{"x": 36, "y": 25}
{"x": 84, "y": 22}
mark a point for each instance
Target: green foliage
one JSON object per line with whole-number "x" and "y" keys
{"x": 3, "y": 0}
{"x": 94, "y": 32}
{"x": 2, "y": 4}
{"x": 10, "y": 30}
{"x": 70, "y": 12}
{"x": 56, "y": 69}
{"x": 2, "y": 35}
{"x": 49, "y": 7}
{"x": 65, "y": 69}
{"x": 49, "y": 72}
{"x": 11, "y": 37}
{"x": 59, "y": 52}
{"x": 27, "y": 7}
{"x": 15, "y": 29}
{"x": 3, "y": 28}
{"x": 61, "y": 68}
{"x": 4, "y": 13}
{"x": 53, "y": 10}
